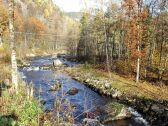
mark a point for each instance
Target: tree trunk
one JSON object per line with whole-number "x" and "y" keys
{"x": 106, "y": 48}
{"x": 12, "y": 43}
{"x": 140, "y": 3}
{"x": 160, "y": 58}
{"x": 138, "y": 60}
{"x": 138, "y": 69}
{"x": 0, "y": 40}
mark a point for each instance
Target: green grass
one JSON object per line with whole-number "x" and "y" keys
{"x": 25, "y": 111}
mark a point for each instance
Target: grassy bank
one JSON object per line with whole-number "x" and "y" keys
{"x": 129, "y": 87}
{"x": 16, "y": 109}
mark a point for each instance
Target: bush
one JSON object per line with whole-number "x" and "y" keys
{"x": 6, "y": 58}
{"x": 5, "y": 121}
{"x": 123, "y": 68}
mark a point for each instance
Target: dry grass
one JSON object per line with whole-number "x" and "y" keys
{"x": 141, "y": 89}
{"x": 2, "y": 52}
{"x": 4, "y": 71}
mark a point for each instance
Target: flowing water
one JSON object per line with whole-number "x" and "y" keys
{"x": 84, "y": 101}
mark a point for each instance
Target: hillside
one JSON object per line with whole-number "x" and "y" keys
{"x": 74, "y": 15}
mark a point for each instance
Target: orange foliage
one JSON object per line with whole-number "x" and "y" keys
{"x": 136, "y": 29}
{"x": 3, "y": 18}
{"x": 18, "y": 21}
{"x": 37, "y": 25}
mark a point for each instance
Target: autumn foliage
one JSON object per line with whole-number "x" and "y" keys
{"x": 136, "y": 36}
{"x": 36, "y": 25}
{"x": 18, "y": 21}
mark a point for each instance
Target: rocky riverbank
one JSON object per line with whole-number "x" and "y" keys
{"x": 154, "y": 110}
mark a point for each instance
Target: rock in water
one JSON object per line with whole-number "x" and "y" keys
{"x": 57, "y": 62}
{"x": 43, "y": 102}
{"x": 91, "y": 122}
{"x": 56, "y": 86}
{"x": 73, "y": 91}
{"x": 53, "y": 88}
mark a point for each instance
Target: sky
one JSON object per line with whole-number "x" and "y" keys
{"x": 77, "y": 5}
{"x": 70, "y": 5}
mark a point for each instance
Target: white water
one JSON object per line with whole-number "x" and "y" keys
{"x": 138, "y": 117}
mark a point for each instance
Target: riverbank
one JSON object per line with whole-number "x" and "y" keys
{"x": 16, "y": 108}
{"x": 148, "y": 99}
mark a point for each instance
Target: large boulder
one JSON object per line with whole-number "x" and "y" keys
{"x": 114, "y": 111}
{"x": 91, "y": 122}
{"x": 57, "y": 62}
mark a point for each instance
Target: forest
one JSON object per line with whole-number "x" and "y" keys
{"x": 106, "y": 65}
{"x": 130, "y": 39}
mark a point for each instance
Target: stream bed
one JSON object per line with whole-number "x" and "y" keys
{"x": 84, "y": 101}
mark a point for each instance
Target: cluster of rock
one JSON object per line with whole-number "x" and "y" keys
{"x": 103, "y": 87}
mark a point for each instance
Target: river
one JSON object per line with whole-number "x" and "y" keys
{"x": 84, "y": 101}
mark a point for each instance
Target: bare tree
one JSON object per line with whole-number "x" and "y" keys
{"x": 12, "y": 43}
